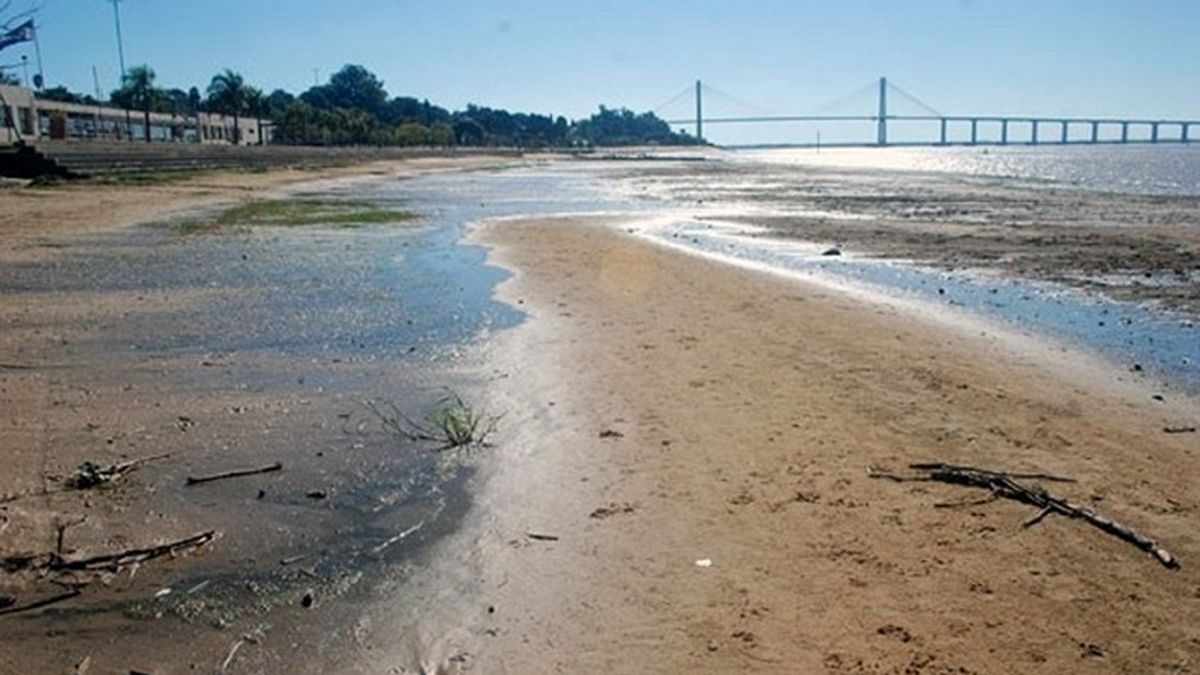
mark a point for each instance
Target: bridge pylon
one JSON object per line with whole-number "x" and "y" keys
{"x": 881, "y": 131}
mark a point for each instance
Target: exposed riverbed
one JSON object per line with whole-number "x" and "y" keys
{"x": 247, "y": 345}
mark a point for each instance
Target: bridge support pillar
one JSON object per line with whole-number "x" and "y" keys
{"x": 699, "y": 113}
{"x": 1003, "y": 132}
{"x": 881, "y": 131}
{"x": 943, "y": 130}
{"x": 1065, "y": 134}
{"x": 1095, "y": 132}
{"x": 1124, "y": 132}
{"x": 1154, "y": 132}
{"x": 974, "y": 132}
{"x": 1033, "y": 129}
{"x": 1183, "y": 132}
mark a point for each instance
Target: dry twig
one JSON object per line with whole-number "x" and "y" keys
{"x": 108, "y": 561}
{"x": 194, "y": 480}
{"x": 1002, "y": 484}
{"x": 115, "y": 561}
{"x": 66, "y": 595}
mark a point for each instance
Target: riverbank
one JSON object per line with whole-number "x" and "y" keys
{"x": 31, "y": 216}
{"x": 679, "y": 478}
{"x": 696, "y": 437}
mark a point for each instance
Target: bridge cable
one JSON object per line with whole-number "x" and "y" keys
{"x": 725, "y": 96}
{"x": 837, "y": 102}
{"x": 686, "y": 91}
{"x": 920, "y": 104}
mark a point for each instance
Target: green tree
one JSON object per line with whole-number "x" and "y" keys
{"x": 413, "y": 133}
{"x": 624, "y": 127}
{"x": 229, "y": 94}
{"x": 172, "y": 101}
{"x": 441, "y": 133}
{"x": 138, "y": 92}
{"x": 278, "y": 102}
{"x": 353, "y": 87}
{"x": 61, "y": 93}
{"x": 195, "y": 101}
{"x": 468, "y": 132}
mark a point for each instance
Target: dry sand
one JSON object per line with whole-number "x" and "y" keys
{"x": 746, "y": 409}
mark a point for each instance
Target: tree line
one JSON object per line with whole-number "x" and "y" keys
{"x": 354, "y": 108}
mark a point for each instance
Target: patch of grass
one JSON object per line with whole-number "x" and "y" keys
{"x": 451, "y": 424}
{"x": 337, "y": 213}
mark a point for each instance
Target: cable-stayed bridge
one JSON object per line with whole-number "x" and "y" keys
{"x": 938, "y": 129}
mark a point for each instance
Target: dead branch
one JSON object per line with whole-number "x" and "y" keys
{"x": 935, "y": 466}
{"x": 66, "y": 595}
{"x": 115, "y": 561}
{"x": 1003, "y": 485}
{"x": 193, "y": 480}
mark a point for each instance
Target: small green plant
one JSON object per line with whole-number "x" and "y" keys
{"x": 451, "y": 424}
{"x": 91, "y": 474}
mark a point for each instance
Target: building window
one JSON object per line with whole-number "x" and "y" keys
{"x": 26, "y": 120}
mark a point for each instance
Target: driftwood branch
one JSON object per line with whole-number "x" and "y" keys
{"x": 1004, "y": 485}
{"x": 196, "y": 480}
{"x": 107, "y": 561}
{"x": 66, "y": 595}
{"x": 115, "y": 561}
{"x": 939, "y": 466}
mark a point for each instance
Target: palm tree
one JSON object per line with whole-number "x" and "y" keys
{"x": 228, "y": 93}
{"x": 138, "y": 91}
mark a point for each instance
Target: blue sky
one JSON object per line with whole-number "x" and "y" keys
{"x": 1054, "y": 57}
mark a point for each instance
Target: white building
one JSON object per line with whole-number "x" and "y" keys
{"x": 24, "y": 116}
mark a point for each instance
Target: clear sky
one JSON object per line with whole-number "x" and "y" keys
{"x": 1053, "y": 57}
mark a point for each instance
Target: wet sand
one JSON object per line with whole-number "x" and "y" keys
{"x": 665, "y": 409}
{"x": 123, "y": 341}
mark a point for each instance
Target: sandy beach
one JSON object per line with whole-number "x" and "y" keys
{"x": 681, "y": 411}
{"x": 678, "y": 482}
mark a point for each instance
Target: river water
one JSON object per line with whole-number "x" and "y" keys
{"x": 1143, "y": 169}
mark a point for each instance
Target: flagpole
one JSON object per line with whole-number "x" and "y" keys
{"x": 37, "y": 49}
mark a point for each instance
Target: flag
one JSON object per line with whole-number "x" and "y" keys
{"x": 22, "y": 33}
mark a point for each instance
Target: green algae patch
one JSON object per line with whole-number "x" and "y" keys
{"x": 306, "y": 212}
